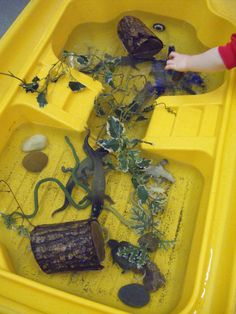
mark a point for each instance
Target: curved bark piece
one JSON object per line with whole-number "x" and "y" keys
{"x": 138, "y": 39}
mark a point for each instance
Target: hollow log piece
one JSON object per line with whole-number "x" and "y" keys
{"x": 69, "y": 246}
{"x": 137, "y": 38}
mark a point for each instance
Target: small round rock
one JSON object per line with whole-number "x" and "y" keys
{"x": 35, "y": 142}
{"x": 35, "y": 161}
{"x": 134, "y": 295}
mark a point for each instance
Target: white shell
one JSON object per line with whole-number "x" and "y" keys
{"x": 35, "y": 142}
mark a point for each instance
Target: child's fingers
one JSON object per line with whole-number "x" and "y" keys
{"x": 170, "y": 62}
{"x": 169, "y": 67}
{"x": 172, "y": 55}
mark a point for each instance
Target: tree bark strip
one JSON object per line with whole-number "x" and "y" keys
{"x": 138, "y": 39}
{"x": 70, "y": 246}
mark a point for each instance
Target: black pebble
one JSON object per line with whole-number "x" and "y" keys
{"x": 159, "y": 27}
{"x": 134, "y": 295}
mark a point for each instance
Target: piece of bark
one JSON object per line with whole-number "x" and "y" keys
{"x": 69, "y": 246}
{"x": 150, "y": 241}
{"x": 138, "y": 39}
{"x": 153, "y": 279}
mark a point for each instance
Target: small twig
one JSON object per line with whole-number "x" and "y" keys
{"x": 169, "y": 109}
{"x": 101, "y": 125}
{"x": 145, "y": 142}
{"x": 18, "y": 204}
{"x": 12, "y": 75}
{"x": 119, "y": 216}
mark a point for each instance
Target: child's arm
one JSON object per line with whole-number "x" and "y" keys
{"x": 208, "y": 61}
{"x": 215, "y": 59}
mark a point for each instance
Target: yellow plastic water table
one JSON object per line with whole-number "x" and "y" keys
{"x": 199, "y": 142}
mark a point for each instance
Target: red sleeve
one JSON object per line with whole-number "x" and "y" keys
{"x": 228, "y": 53}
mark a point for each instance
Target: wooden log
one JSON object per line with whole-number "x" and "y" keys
{"x": 69, "y": 246}
{"x": 138, "y": 39}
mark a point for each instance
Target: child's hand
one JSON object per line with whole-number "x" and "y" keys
{"x": 208, "y": 61}
{"x": 177, "y": 62}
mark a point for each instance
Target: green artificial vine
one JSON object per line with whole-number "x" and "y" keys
{"x": 39, "y": 86}
{"x": 148, "y": 200}
{"x": 11, "y": 220}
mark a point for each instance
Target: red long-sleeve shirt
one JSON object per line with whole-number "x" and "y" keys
{"x": 228, "y": 53}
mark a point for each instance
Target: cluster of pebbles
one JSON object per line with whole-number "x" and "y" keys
{"x": 35, "y": 160}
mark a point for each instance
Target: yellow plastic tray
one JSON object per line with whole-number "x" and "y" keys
{"x": 199, "y": 142}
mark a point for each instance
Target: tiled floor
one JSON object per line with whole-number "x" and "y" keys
{"x": 9, "y": 10}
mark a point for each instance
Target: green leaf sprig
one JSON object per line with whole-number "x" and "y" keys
{"x": 40, "y": 86}
{"x": 148, "y": 201}
{"x": 11, "y": 221}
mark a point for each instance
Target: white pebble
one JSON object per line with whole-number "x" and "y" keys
{"x": 35, "y": 142}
